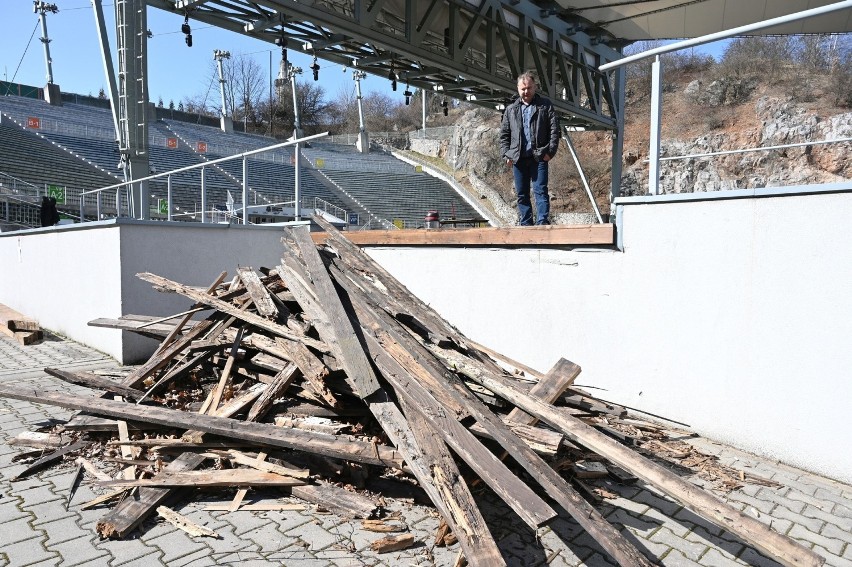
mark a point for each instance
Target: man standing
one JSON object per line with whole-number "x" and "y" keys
{"x": 529, "y": 138}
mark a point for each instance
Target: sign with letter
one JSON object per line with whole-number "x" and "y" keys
{"x": 353, "y": 218}
{"x": 57, "y": 193}
{"x": 418, "y": 169}
{"x": 320, "y": 163}
{"x": 171, "y": 143}
{"x": 399, "y": 223}
{"x": 202, "y": 147}
{"x": 163, "y": 206}
{"x": 34, "y": 122}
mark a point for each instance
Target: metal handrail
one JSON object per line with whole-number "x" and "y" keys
{"x": 758, "y": 149}
{"x": 202, "y": 165}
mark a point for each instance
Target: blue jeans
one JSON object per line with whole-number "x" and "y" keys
{"x": 528, "y": 171}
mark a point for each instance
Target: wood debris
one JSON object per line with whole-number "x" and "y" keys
{"x": 324, "y": 372}
{"x": 23, "y": 329}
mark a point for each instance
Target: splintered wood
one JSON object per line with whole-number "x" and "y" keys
{"x": 324, "y": 373}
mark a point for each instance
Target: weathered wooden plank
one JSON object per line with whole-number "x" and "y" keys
{"x": 552, "y": 235}
{"x": 337, "y": 447}
{"x": 523, "y": 500}
{"x": 419, "y": 363}
{"x": 51, "y": 458}
{"x": 225, "y": 307}
{"x": 453, "y": 498}
{"x": 260, "y": 296}
{"x": 774, "y": 545}
{"x": 276, "y": 388}
{"x": 209, "y": 478}
{"x": 132, "y": 511}
{"x": 219, "y": 390}
{"x": 354, "y": 361}
{"x": 93, "y": 381}
{"x": 342, "y": 502}
{"x": 311, "y": 367}
{"x": 239, "y": 402}
{"x": 183, "y": 523}
{"x": 549, "y": 388}
{"x": 173, "y": 334}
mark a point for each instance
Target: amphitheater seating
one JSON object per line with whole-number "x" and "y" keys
{"x": 80, "y": 146}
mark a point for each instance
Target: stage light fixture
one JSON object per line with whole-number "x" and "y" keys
{"x": 188, "y": 40}
{"x": 315, "y": 68}
{"x": 445, "y": 106}
{"x": 392, "y": 77}
{"x": 407, "y": 94}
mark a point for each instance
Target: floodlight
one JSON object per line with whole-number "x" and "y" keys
{"x": 188, "y": 40}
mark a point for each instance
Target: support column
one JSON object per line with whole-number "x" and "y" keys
{"x": 656, "y": 109}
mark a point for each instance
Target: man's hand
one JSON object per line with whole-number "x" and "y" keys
{"x": 510, "y": 163}
{"x": 545, "y": 157}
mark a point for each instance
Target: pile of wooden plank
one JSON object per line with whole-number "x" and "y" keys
{"x": 21, "y": 328}
{"x": 355, "y": 373}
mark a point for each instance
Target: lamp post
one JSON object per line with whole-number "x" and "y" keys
{"x": 225, "y": 120}
{"x": 363, "y": 143}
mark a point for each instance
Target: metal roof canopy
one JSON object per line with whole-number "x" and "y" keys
{"x": 468, "y": 50}
{"x": 636, "y": 20}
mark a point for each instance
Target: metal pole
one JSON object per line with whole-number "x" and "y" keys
{"x": 98, "y": 206}
{"x": 82, "y": 216}
{"x": 423, "y": 100}
{"x": 42, "y": 8}
{"x": 118, "y": 202}
{"x": 742, "y": 30}
{"x": 219, "y": 55}
{"x": 203, "y": 198}
{"x": 106, "y": 59}
{"x": 654, "y": 146}
{"x": 297, "y": 133}
{"x": 168, "y": 198}
{"x": 245, "y": 191}
{"x": 571, "y": 149}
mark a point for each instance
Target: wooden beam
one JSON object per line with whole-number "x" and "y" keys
{"x": 208, "y": 478}
{"x": 335, "y": 446}
{"x": 552, "y": 235}
{"x": 228, "y": 308}
{"x": 549, "y": 388}
{"x": 94, "y": 381}
{"x": 260, "y": 296}
{"x": 342, "y": 502}
{"x": 132, "y": 511}
{"x": 774, "y": 545}
{"x": 354, "y": 361}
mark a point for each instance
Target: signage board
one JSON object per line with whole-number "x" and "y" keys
{"x": 57, "y": 192}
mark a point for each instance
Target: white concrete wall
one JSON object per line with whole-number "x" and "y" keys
{"x": 734, "y": 316}
{"x": 66, "y": 276}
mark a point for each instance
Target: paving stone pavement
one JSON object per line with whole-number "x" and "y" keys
{"x": 36, "y": 528}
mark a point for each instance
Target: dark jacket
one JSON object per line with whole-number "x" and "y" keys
{"x": 544, "y": 127}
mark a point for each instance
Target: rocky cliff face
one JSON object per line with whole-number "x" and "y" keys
{"x": 781, "y": 122}
{"x": 699, "y": 120}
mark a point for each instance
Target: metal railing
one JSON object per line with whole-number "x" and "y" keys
{"x": 657, "y": 86}
{"x": 96, "y": 193}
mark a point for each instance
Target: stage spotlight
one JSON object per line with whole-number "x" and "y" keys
{"x": 188, "y": 40}
{"x": 392, "y": 77}
{"x": 315, "y": 68}
{"x": 407, "y": 94}
{"x": 445, "y": 106}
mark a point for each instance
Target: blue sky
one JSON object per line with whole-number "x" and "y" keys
{"x": 175, "y": 70}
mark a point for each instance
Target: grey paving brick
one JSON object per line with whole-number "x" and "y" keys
{"x": 10, "y": 509}
{"x": 643, "y": 527}
{"x": 756, "y": 559}
{"x": 64, "y": 529}
{"x": 723, "y": 542}
{"x": 716, "y": 558}
{"x": 762, "y": 506}
{"x": 813, "y": 524}
{"x": 829, "y": 518}
{"x": 200, "y": 557}
{"x": 150, "y": 560}
{"x": 833, "y": 496}
{"x": 779, "y": 496}
{"x": 19, "y": 530}
{"x": 598, "y": 560}
{"x": 26, "y": 552}
{"x": 174, "y": 545}
{"x": 835, "y": 546}
{"x": 241, "y": 560}
{"x": 128, "y": 550}
{"x": 79, "y": 552}
{"x": 808, "y": 499}
{"x": 830, "y": 559}
{"x": 650, "y": 549}
{"x": 677, "y": 559}
{"x": 692, "y": 550}
{"x": 834, "y": 532}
